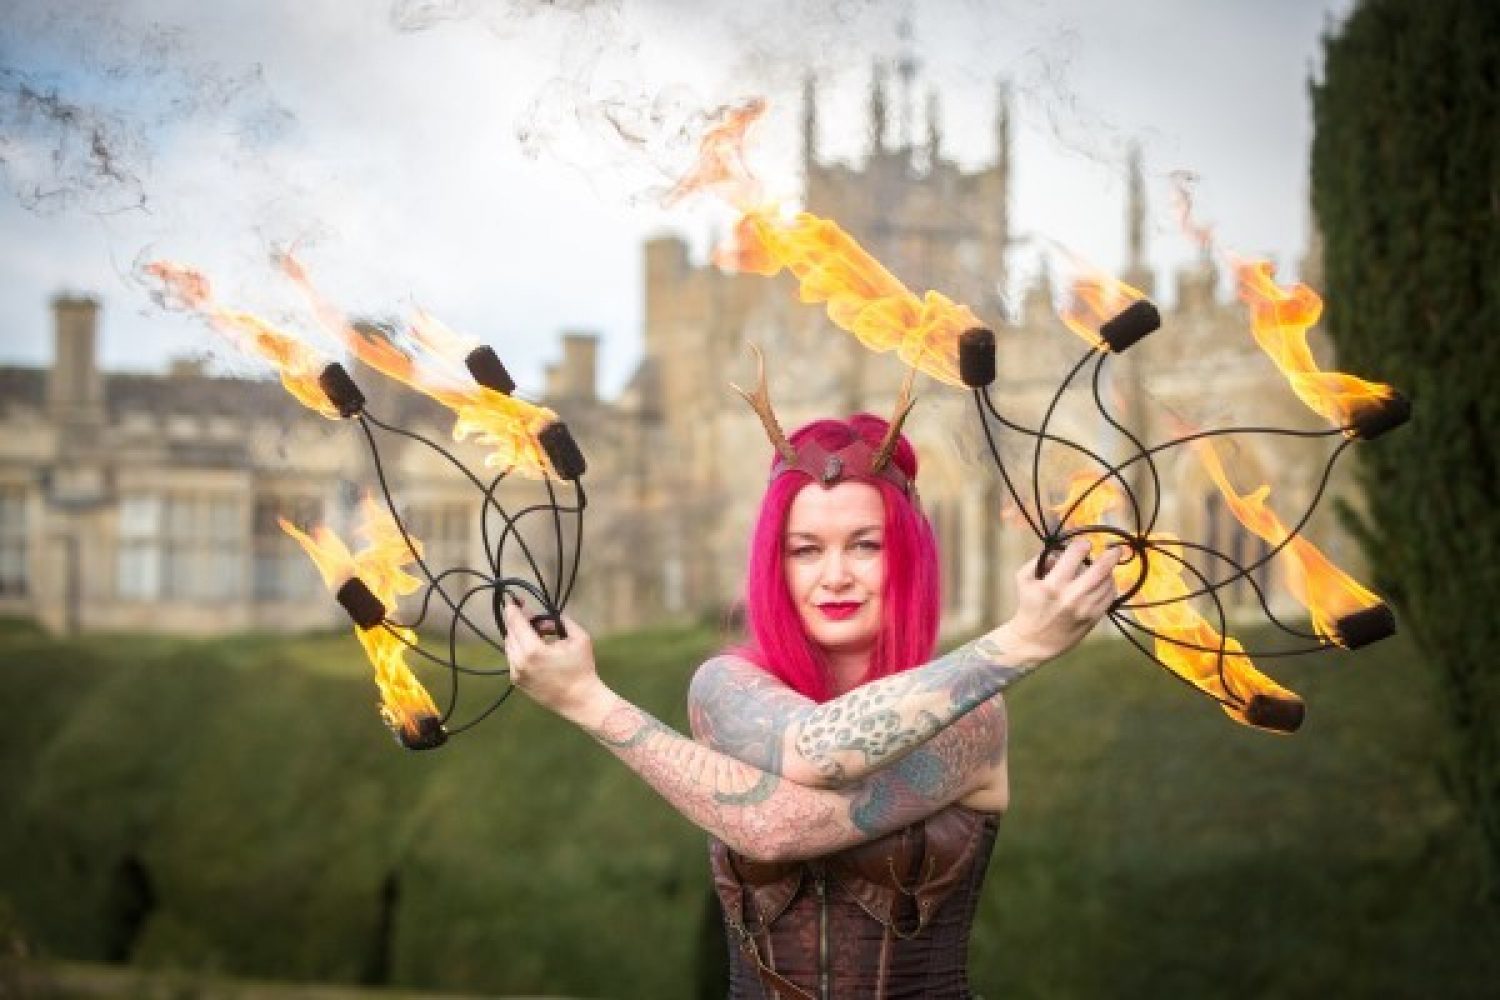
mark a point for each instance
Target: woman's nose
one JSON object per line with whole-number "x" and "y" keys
{"x": 836, "y": 570}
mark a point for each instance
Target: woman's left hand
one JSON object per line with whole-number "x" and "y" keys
{"x": 558, "y": 673}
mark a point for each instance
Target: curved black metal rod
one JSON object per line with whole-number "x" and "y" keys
{"x": 550, "y": 611}
{"x": 1292, "y": 532}
{"x": 391, "y": 627}
{"x": 1147, "y": 454}
{"x": 1260, "y": 595}
{"x": 981, "y": 400}
{"x": 1120, "y": 621}
{"x": 1239, "y": 700}
{"x": 1135, "y": 543}
{"x": 453, "y": 652}
{"x": 488, "y": 492}
{"x": 484, "y": 522}
{"x": 1150, "y": 525}
{"x": 1036, "y": 454}
{"x": 427, "y": 593}
{"x": 511, "y": 528}
{"x": 454, "y": 731}
{"x": 390, "y": 502}
{"x": 1258, "y": 654}
{"x": 392, "y": 429}
{"x": 1082, "y": 450}
{"x": 556, "y": 536}
{"x": 1110, "y": 472}
{"x": 510, "y": 525}
{"x": 582, "y": 502}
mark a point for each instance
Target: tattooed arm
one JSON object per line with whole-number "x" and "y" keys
{"x": 762, "y": 816}
{"x": 740, "y": 709}
{"x": 747, "y": 713}
{"x": 753, "y": 810}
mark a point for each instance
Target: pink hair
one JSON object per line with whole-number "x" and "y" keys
{"x": 777, "y": 641}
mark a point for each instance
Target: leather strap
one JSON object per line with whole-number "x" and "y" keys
{"x": 774, "y": 981}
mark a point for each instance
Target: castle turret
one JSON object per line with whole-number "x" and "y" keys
{"x": 1137, "y": 271}
{"x": 1002, "y": 131}
{"x": 934, "y": 129}
{"x": 579, "y": 377}
{"x": 994, "y": 211}
{"x": 906, "y": 74}
{"x": 1198, "y": 284}
{"x": 809, "y": 125}
{"x": 1036, "y": 306}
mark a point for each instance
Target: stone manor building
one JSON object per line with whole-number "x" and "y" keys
{"x": 149, "y": 501}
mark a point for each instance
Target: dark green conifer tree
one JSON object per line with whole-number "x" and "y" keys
{"x": 1406, "y": 188}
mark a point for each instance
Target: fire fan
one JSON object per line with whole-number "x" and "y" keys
{"x": 1158, "y": 579}
{"x": 524, "y": 439}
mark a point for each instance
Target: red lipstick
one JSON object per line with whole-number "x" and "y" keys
{"x": 839, "y": 610}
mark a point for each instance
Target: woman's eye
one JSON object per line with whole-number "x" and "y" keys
{"x": 867, "y": 546}
{"x": 803, "y": 551}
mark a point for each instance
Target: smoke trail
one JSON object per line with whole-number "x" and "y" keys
{"x": 86, "y": 99}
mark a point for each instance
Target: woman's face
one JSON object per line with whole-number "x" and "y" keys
{"x": 834, "y": 556}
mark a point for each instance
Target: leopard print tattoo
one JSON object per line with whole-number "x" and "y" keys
{"x": 886, "y": 719}
{"x": 866, "y": 723}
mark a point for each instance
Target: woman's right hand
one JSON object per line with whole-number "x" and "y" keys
{"x": 1055, "y": 611}
{"x": 557, "y": 673}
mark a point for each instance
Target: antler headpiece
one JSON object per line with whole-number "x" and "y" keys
{"x": 856, "y": 460}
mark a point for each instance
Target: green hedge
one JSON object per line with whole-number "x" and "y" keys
{"x": 1406, "y": 185}
{"x": 274, "y": 831}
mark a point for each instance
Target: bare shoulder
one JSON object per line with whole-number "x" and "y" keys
{"x": 723, "y": 668}
{"x": 727, "y": 679}
{"x": 732, "y": 701}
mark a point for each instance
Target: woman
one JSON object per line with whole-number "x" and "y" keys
{"x": 851, "y": 789}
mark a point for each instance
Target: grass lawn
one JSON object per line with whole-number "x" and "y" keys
{"x": 234, "y": 808}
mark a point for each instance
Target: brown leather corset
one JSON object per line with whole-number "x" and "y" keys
{"x": 886, "y": 919}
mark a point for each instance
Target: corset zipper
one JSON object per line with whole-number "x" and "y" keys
{"x": 821, "y": 887}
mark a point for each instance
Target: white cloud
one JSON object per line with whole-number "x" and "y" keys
{"x": 398, "y": 159}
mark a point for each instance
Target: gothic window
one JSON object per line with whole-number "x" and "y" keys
{"x": 281, "y": 570}
{"x": 12, "y": 541}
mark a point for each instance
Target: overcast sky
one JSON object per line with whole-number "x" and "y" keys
{"x": 498, "y": 164}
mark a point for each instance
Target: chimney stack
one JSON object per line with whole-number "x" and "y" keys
{"x": 580, "y": 366}
{"x": 75, "y": 389}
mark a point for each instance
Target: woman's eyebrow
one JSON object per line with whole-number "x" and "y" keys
{"x": 814, "y": 536}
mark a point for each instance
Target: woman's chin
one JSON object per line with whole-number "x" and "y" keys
{"x": 848, "y": 638}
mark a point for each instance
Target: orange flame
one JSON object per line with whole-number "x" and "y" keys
{"x": 1174, "y": 618}
{"x": 1095, "y": 298}
{"x": 404, "y": 702}
{"x": 297, "y": 364}
{"x": 440, "y": 342}
{"x": 1177, "y": 619}
{"x": 1326, "y": 591}
{"x": 1094, "y": 508}
{"x": 1279, "y": 319}
{"x": 859, "y": 294}
{"x": 506, "y": 425}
